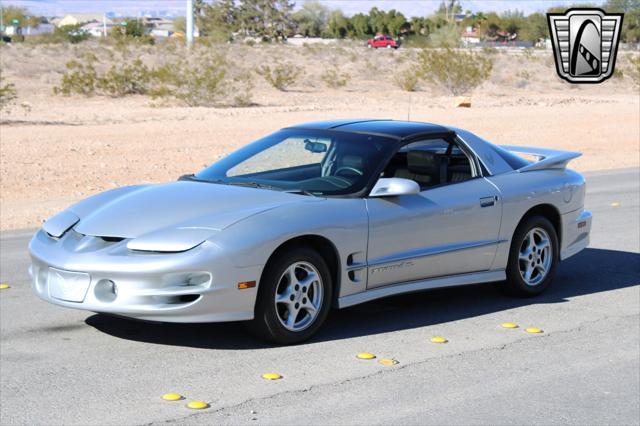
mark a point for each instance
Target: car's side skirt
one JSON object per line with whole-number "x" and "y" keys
{"x": 413, "y": 286}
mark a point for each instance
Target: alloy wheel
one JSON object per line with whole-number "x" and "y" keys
{"x": 535, "y": 256}
{"x": 298, "y": 297}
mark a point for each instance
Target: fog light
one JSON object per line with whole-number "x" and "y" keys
{"x": 106, "y": 291}
{"x": 198, "y": 279}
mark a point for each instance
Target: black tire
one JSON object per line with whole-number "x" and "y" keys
{"x": 266, "y": 324}
{"x": 516, "y": 284}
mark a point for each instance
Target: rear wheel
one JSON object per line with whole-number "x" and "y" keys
{"x": 533, "y": 257}
{"x": 294, "y": 297}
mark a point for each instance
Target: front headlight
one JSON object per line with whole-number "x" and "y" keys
{"x": 57, "y": 225}
{"x": 171, "y": 240}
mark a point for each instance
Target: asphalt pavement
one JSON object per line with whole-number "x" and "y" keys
{"x": 65, "y": 366}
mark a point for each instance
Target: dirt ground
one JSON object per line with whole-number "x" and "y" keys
{"x": 56, "y": 150}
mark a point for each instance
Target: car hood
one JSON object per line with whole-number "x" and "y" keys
{"x": 184, "y": 205}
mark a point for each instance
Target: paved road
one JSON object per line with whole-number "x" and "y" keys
{"x": 73, "y": 367}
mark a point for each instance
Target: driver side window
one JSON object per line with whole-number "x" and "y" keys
{"x": 431, "y": 163}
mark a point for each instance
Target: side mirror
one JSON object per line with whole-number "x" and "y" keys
{"x": 392, "y": 187}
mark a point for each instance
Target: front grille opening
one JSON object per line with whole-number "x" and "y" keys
{"x": 112, "y": 239}
{"x": 186, "y": 298}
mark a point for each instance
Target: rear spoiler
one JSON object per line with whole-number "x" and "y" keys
{"x": 545, "y": 158}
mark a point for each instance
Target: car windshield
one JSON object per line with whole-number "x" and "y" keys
{"x": 312, "y": 162}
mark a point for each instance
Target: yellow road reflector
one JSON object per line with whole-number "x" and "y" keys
{"x": 533, "y": 330}
{"x": 439, "y": 339}
{"x": 365, "y": 355}
{"x": 615, "y": 204}
{"x": 388, "y": 361}
{"x": 509, "y": 325}
{"x": 197, "y": 405}
{"x": 4, "y": 285}
{"x": 172, "y": 397}
{"x": 271, "y": 376}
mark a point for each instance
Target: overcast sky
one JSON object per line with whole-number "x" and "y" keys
{"x": 407, "y": 7}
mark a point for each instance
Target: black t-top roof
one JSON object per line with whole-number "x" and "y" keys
{"x": 392, "y": 128}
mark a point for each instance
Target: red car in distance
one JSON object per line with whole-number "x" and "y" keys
{"x": 383, "y": 41}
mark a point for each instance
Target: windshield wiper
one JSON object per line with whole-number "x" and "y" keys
{"x": 252, "y": 185}
{"x": 301, "y": 191}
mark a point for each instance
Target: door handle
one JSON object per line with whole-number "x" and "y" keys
{"x": 488, "y": 201}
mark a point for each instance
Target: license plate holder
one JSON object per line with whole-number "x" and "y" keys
{"x": 67, "y": 285}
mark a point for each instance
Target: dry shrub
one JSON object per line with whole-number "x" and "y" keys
{"x": 335, "y": 78}
{"x": 197, "y": 82}
{"x": 407, "y": 79}
{"x": 7, "y": 94}
{"x": 133, "y": 79}
{"x": 243, "y": 90}
{"x": 457, "y": 71}
{"x": 281, "y": 75}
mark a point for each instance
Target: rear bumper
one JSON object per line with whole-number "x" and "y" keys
{"x": 576, "y": 228}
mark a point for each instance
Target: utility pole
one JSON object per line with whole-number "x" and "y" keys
{"x": 189, "y": 22}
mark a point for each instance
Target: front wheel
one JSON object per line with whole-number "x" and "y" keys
{"x": 533, "y": 257}
{"x": 294, "y": 297}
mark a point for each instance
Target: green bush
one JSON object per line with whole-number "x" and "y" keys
{"x": 133, "y": 79}
{"x": 407, "y": 79}
{"x": 456, "y": 71}
{"x": 80, "y": 78}
{"x": 447, "y": 36}
{"x": 281, "y": 76}
{"x": 197, "y": 83}
{"x": 416, "y": 40}
{"x": 71, "y": 33}
{"x": 243, "y": 90}
{"x": 334, "y": 78}
{"x": 7, "y": 94}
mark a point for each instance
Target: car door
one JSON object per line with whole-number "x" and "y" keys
{"x": 444, "y": 230}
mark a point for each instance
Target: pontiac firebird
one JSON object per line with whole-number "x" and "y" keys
{"x": 315, "y": 216}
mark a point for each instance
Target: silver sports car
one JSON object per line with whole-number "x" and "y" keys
{"x": 314, "y": 216}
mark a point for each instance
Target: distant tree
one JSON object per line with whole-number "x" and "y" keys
{"x": 420, "y": 25}
{"x": 377, "y": 21}
{"x": 269, "y": 19}
{"x": 630, "y": 31}
{"x": 512, "y": 21}
{"x": 535, "y": 28}
{"x": 449, "y": 8}
{"x": 11, "y": 13}
{"x": 129, "y": 28}
{"x": 311, "y": 19}
{"x": 337, "y": 25}
{"x": 360, "y": 25}
{"x": 396, "y": 22}
{"x": 217, "y": 20}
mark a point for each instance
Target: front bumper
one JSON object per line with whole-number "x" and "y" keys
{"x": 199, "y": 285}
